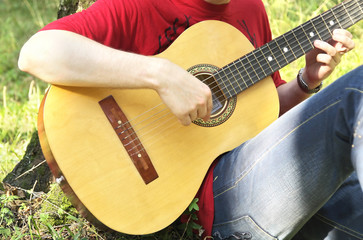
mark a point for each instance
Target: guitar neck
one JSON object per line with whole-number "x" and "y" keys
{"x": 262, "y": 62}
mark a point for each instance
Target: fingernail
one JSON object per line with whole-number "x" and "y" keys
{"x": 336, "y": 31}
{"x": 317, "y": 43}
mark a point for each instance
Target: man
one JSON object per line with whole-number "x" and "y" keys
{"x": 269, "y": 186}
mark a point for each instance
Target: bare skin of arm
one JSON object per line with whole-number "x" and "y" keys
{"x": 86, "y": 63}
{"x": 320, "y": 63}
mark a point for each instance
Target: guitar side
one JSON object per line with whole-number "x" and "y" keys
{"x": 97, "y": 169}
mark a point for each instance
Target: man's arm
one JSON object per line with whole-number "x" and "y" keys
{"x": 320, "y": 62}
{"x": 65, "y": 58}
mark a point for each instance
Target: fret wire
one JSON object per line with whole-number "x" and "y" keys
{"x": 292, "y": 42}
{"x": 283, "y": 36}
{"x": 272, "y": 58}
{"x": 242, "y": 78}
{"x": 262, "y": 65}
{"x": 285, "y": 50}
{"x": 292, "y": 52}
{"x": 333, "y": 15}
{"x": 311, "y": 44}
{"x": 265, "y": 51}
{"x": 238, "y": 61}
{"x": 317, "y": 32}
{"x": 298, "y": 41}
{"x": 251, "y": 67}
{"x": 356, "y": 8}
{"x": 358, "y": 17}
{"x": 244, "y": 67}
{"x": 229, "y": 86}
{"x": 260, "y": 59}
{"x": 251, "y": 82}
{"x": 254, "y": 54}
{"x": 245, "y": 77}
{"x": 323, "y": 34}
{"x": 347, "y": 12}
{"x": 329, "y": 18}
{"x": 326, "y": 25}
{"x": 221, "y": 78}
{"x": 273, "y": 54}
{"x": 336, "y": 19}
{"x": 297, "y": 47}
{"x": 306, "y": 27}
{"x": 347, "y": 21}
{"x": 264, "y": 46}
{"x": 359, "y": 10}
{"x": 338, "y": 13}
{"x": 227, "y": 70}
{"x": 319, "y": 27}
{"x": 345, "y": 17}
{"x": 256, "y": 69}
{"x": 289, "y": 50}
{"x": 282, "y": 51}
{"x": 234, "y": 88}
{"x": 360, "y": 6}
{"x": 246, "y": 70}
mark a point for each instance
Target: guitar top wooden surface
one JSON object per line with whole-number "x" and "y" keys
{"x": 95, "y": 164}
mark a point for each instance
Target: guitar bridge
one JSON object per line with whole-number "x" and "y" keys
{"x": 129, "y": 139}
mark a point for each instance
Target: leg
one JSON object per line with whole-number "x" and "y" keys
{"x": 340, "y": 218}
{"x": 271, "y": 185}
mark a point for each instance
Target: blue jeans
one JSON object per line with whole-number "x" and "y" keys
{"x": 285, "y": 177}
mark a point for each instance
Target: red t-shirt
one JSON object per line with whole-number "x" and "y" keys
{"x": 148, "y": 27}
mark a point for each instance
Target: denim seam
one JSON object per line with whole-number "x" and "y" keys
{"x": 245, "y": 173}
{"x": 354, "y": 89}
{"x": 338, "y": 226}
{"x": 250, "y": 220}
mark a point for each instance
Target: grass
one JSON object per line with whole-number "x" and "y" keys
{"x": 287, "y": 14}
{"x": 20, "y": 93}
{"x": 20, "y": 96}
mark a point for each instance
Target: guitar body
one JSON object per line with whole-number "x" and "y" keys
{"x": 91, "y": 163}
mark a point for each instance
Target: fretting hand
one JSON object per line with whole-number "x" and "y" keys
{"x": 322, "y": 60}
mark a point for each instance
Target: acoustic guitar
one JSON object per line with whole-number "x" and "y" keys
{"x": 123, "y": 158}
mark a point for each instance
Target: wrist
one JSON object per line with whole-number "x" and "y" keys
{"x": 304, "y": 85}
{"x": 152, "y": 69}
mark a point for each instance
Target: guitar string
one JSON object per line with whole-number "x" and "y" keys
{"x": 203, "y": 81}
{"x": 228, "y": 74}
{"x": 217, "y": 86}
{"x": 166, "y": 114}
{"x": 144, "y": 149}
{"x": 281, "y": 51}
{"x": 211, "y": 76}
{"x": 223, "y": 89}
{"x": 150, "y": 144}
{"x": 162, "y": 110}
{"x": 283, "y": 55}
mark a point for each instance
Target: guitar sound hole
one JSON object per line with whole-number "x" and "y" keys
{"x": 222, "y": 107}
{"x": 218, "y": 98}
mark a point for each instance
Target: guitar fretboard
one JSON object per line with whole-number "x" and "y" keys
{"x": 267, "y": 59}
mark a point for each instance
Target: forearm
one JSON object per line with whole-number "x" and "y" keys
{"x": 65, "y": 58}
{"x": 290, "y": 94}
